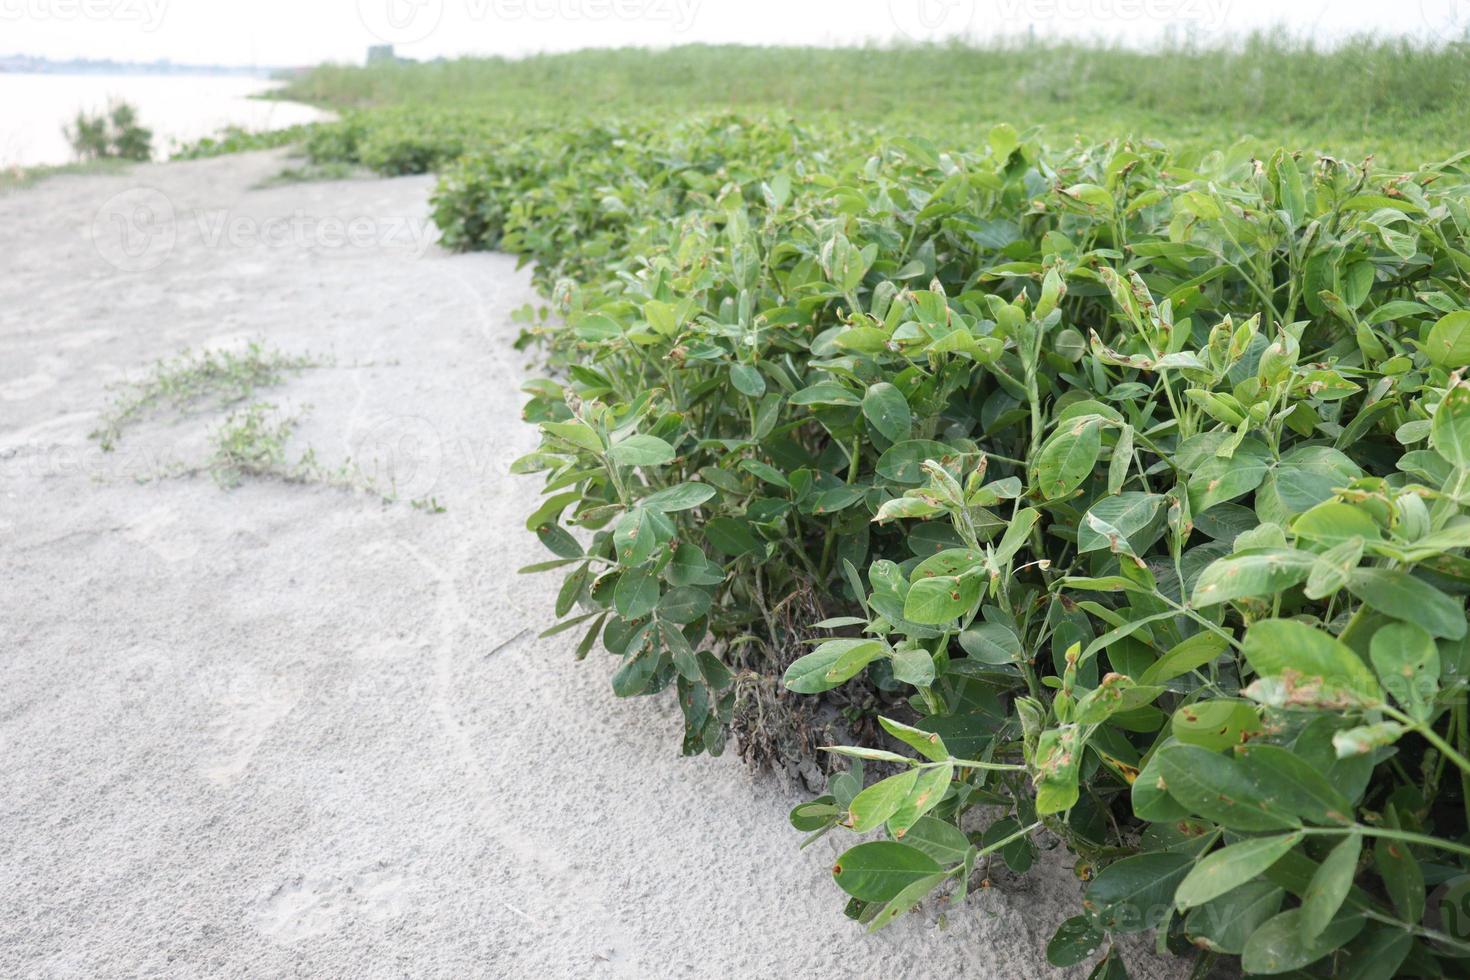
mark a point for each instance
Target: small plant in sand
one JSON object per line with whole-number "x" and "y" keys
{"x": 213, "y": 379}
{"x": 252, "y": 443}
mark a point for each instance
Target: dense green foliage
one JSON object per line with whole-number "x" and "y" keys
{"x": 1123, "y": 488}
{"x": 234, "y": 139}
{"x": 1137, "y": 483}
{"x": 1403, "y": 102}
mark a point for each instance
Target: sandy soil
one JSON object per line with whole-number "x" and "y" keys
{"x": 289, "y": 729}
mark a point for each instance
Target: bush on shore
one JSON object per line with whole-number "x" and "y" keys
{"x": 1126, "y": 492}
{"x": 1098, "y": 493}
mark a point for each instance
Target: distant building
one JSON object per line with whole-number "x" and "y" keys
{"x": 380, "y": 54}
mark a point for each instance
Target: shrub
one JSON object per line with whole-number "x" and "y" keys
{"x": 234, "y": 139}
{"x": 114, "y": 134}
{"x": 1128, "y": 488}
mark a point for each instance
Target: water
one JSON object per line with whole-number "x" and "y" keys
{"x": 178, "y": 108}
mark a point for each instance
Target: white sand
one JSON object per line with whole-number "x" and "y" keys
{"x": 289, "y": 730}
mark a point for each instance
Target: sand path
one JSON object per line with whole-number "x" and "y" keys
{"x": 287, "y": 729}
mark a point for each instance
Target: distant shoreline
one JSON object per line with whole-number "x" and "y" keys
{"x": 26, "y": 65}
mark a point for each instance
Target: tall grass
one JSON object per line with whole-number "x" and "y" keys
{"x": 1399, "y": 99}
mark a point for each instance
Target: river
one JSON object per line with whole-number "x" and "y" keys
{"x": 178, "y": 108}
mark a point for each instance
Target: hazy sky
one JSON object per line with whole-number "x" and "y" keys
{"x": 290, "y": 32}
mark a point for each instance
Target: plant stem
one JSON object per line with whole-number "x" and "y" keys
{"x": 1432, "y": 737}
{"x": 1408, "y": 837}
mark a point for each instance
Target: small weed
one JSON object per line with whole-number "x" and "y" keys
{"x": 252, "y": 442}
{"x": 429, "y": 505}
{"x": 309, "y": 172}
{"x": 187, "y": 380}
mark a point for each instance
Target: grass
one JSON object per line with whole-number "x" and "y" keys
{"x": 310, "y": 172}
{"x": 221, "y": 378}
{"x": 1402, "y": 101}
{"x": 20, "y": 178}
{"x": 251, "y": 443}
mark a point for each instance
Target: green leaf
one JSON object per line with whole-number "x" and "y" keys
{"x": 682, "y": 497}
{"x": 559, "y": 541}
{"x": 887, "y": 410}
{"x": 1136, "y": 893}
{"x": 941, "y": 599}
{"x": 690, "y": 567}
{"x": 637, "y": 593}
{"x": 1127, "y": 514}
{"x": 747, "y": 380}
{"x": 929, "y": 790}
{"x": 991, "y": 643}
{"x": 1058, "y": 761}
{"x": 1308, "y": 667}
{"x": 732, "y": 537}
{"x": 1449, "y": 431}
{"x": 1402, "y": 877}
{"x": 939, "y": 839}
{"x": 1067, "y": 458}
{"x": 903, "y": 462}
{"x": 1217, "y": 724}
{"x": 1150, "y": 800}
{"x": 1448, "y": 344}
{"x": 576, "y": 432}
{"x": 912, "y": 894}
{"x": 1332, "y": 568}
{"x": 684, "y": 605}
{"x": 808, "y": 675}
{"x": 1230, "y": 867}
{"x": 1402, "y": 596}
{"x": 642, "y": 450}
{"x": 1074, "y": 941}
{"x": 1017, "y": 531}
{"x": 1333, "y": 522}
{"x": 1407, "y": 662}
{"x": 879, "y": 871}
{"x": 1251, "y": 573}
{"x": 1110, "y": 967}
{"x": 1225, "y": 924}
{"x": 634, "y": 537}
{"x": 1218, "y": 480}
{"x": 1290, "y": 784}
{"x": 1116, "y": 694}
{"x": 1378, "y": 953}
{"x": 1330, "y": 885}
{"x": 1214, "y": 787}
{"x": 1183, "y": 657}
{"x": 854, "y": 659}
{"x": 913, "y": 665}
{"x": 928, "y": 744}
{"x": 874, "y": 805}
{"x": 1279, "y": 945}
